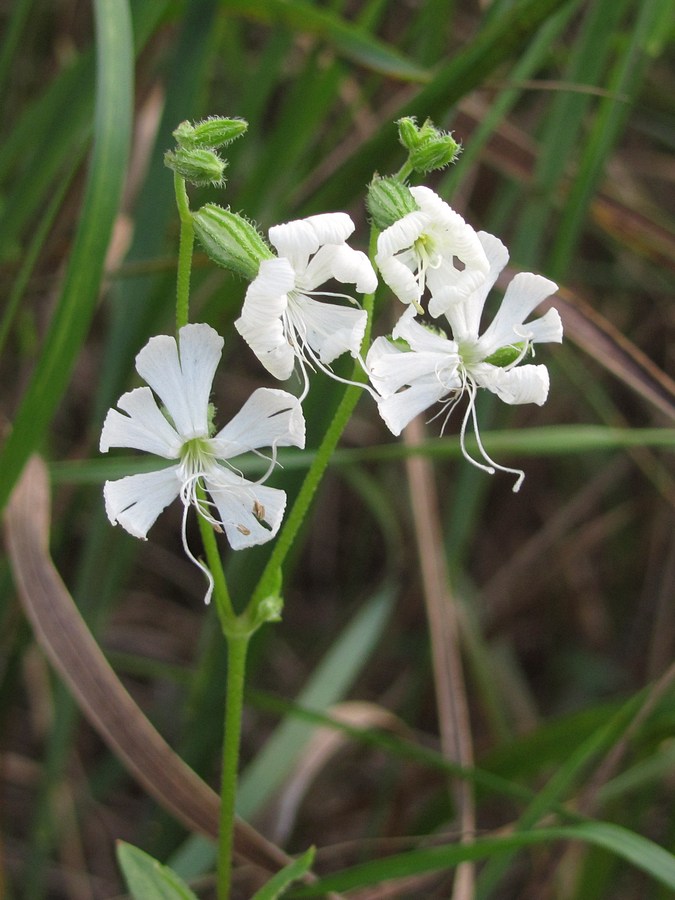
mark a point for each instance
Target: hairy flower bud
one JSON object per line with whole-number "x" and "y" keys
{"x": 428, "y": 147}
{"x": 196, "y": 165}
{"x": 408, "y": 132}
{"x": 230, "y": 240}
{"x": 210, "y": 133}
{"x": 388, "y": 200}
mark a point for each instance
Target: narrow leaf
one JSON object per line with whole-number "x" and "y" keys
{"x": 348, "y": 39}
{"x": 640, "y": 852}
{"x": 114, "y": 97}
{"x": 294, "y": 871}
{"x": 148, "y": 879}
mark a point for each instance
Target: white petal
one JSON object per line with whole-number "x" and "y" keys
{"x": 401, "y": 408}
{"x": 390, "y": 367}
{"x": 250, "y": 513}
{"x": 420, "y": 338}
{"x": 145, "y": 428}
{"x": 341, "y": 262}
{"x": 399, "y": 278}
{"x": 269, "y": 418}
{"x": 136, "y": 500}
{"x": 451, "y": 234}
{"x": 331, "y": 228}
{"x": 522, "y": 295}
{"x": 295, "y": 241}
{"x": 402, "y": 234}
{"x": 329, "y": 329}
{"x": 353, "y": 267}
{"x": 546, "y": 329}
{"x": 260, "y": 323}
{"x": 384, "y": 369}
{"x": 183, "y": 382}
{"x": 522, "y": 384}
{"x": 464, "y": 312}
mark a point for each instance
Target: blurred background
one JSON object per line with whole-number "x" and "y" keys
{"x": 557, "y": 603}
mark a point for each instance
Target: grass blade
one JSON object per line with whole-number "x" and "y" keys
{"x": 640, "y": 852}
{"x": 80, "y": 291}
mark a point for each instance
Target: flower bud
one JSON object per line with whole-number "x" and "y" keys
{"x": 435, "y": 154}
{"x": 230, "y": 240}
{"x": 388, "y": 200}
{"x": 210, "y": 133}
{"x": 428, "y": 147}
{"x": 196, "y": 165}
{"x": 408, "y": 132}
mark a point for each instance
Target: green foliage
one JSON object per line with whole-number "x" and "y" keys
{"x": 280, "y": 883}
{"x": 148, "y": 879}
{"x": 563, "y": 110}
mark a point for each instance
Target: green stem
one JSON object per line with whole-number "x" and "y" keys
{"x": 221, "y": 593}
{"x": 237, "y": 645}
{"x": 405, "y": 170}
{"x": 294, "y": 520}
{"x": 187, "y": 239}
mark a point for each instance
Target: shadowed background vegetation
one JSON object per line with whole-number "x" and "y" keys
{"x": 360, "y": 736}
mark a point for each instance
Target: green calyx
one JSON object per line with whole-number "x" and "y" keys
{"x": 388, "y": 200}
{"x": 196, "y": 165}
{"x": 209, "y": 134}
{"x": 230, "y": 240}
{"x": 505, "y": 356}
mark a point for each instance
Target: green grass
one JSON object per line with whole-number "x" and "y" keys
{"x": 563, "y": 592}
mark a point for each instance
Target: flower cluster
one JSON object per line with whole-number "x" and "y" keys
{"x": 424, "y": 366}
{"x": 428, "y": 256}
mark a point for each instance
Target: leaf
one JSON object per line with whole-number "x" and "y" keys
{"x": 347, "y": 39}
{"x": 148, "y": 879}
{"x": 114, "y": 102}
{"x": 642, "y": 853}
{"x": 502, "y": 38}
{"x": 294, "y": 871}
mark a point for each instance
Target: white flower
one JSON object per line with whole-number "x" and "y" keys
{"x": 410, "y": 379}
{"x": 181, "y": 376}
{"x": 281, "y": 321}
{"x": 421, "y": 251}
{"x": 434, "y": 368}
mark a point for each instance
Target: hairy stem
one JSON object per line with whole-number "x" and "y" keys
{"x": 237, "y": 646}
{"x": 187, "y": 239}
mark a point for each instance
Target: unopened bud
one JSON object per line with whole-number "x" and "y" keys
{"x": 210, "y": 133}
{"x": 230, "y": 240}
{"x": 196, "y": 165}
{"x": 429, "y": 148}
{"x": 408, "y": 132}
{"x": 435, "y": 154}
{"x": 388, "y": 200}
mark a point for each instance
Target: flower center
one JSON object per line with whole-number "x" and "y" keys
{"x": 196, "y": 458}
{"x": 428, "y": 257}
{"x": 195, "y": 454}
{"x": 469, "y": 353}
